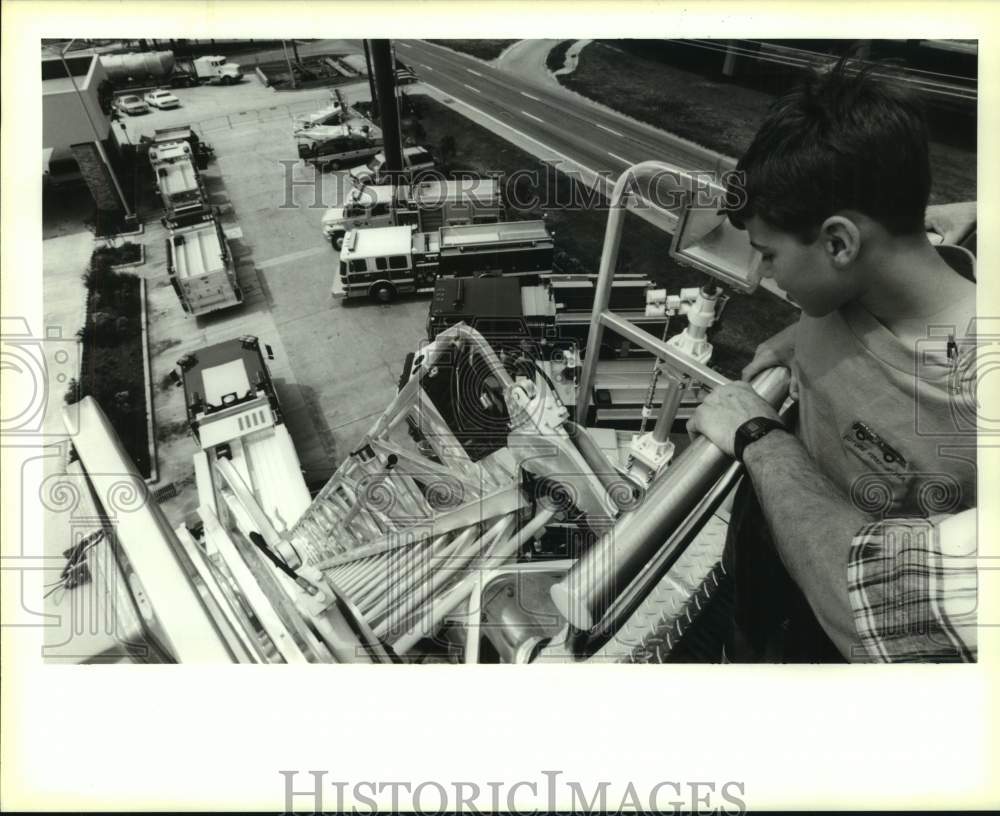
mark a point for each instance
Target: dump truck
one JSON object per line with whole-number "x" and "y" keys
{"x": 384, "y": 262}
{"x": 427, "y": 205}
{"x": 149, "y": 69}
{"x": 179, "y": 184}
{"x": 201, "y": 268}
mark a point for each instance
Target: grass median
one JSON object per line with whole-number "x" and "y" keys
{"x": 724, "y": 116}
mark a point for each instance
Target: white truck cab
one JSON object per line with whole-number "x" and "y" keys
{"x": 364, "y": 207}
{"x": 415, "y": 159}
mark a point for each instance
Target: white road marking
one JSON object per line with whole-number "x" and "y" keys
{"x": 472, "y": 89}
{"x": 405, "y": 45}
{"x": 616, "y": 156}
{"x": 532, "y": 116}
{"x": 605, "y": 184}
{"x": 292, "y": 256}
{"x": 609, "y": 130}
{"x": 473, "y": 72}
{"x": 426, "y": 68}
{"x": 530, "y": 96}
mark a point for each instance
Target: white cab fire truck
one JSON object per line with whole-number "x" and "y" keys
{"x": 233, "y": 411}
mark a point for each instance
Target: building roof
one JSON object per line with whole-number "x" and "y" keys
{"x": 55, "y": 79}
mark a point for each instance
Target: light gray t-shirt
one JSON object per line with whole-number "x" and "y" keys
{"x": 892, "y": 425}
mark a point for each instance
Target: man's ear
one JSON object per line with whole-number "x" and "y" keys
{"x": 841, "y": 239}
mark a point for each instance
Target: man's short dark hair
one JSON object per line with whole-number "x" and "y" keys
{"x": 844, "y": 139}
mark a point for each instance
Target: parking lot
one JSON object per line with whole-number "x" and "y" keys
{"x": 336, "y": 366}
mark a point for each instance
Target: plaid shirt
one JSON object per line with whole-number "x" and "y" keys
{"x": 912, "y": 586}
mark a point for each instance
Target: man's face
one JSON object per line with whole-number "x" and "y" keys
{"x": 804, "y": 271}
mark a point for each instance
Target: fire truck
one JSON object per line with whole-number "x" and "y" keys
{"x": 426, "y": 205}
{"x": 185, "y": 200}
{"x": 383, "y": 263}
{"x": 201, "y": 268}
{"x": 234, "y": 413}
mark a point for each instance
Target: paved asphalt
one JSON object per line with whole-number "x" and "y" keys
{"x": 600, "y": 139}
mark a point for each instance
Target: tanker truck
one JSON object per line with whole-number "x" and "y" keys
{"x": 154, "y": 68}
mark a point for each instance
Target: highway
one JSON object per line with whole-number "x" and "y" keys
{"x": 594, "y": 137}
{"x": 600, "y": 141}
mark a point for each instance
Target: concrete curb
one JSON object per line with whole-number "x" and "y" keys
{"x": 147, "y": 371}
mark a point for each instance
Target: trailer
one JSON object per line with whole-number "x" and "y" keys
{"x": 178, "y": 183}
{"x": 427, "y": 206}
{"x": 150, "y": 69}
{"x": 201, "y": 268}
{"x": 383, "y": 263}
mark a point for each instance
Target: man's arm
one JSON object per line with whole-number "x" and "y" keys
{"x": 811, "y": 521}
{"x": 813, "y": 526}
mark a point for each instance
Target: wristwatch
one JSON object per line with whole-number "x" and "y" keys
{"x": 751, "y": 431}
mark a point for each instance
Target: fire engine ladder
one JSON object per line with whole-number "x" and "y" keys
{"x": 403, "y": 528}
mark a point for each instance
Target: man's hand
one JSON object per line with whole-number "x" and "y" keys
{"x": 724, "y": 410}
{"x": 953, "y": 222}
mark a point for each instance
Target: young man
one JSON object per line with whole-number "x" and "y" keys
{"x": 833, "y": 193}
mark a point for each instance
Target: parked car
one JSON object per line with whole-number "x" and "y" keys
{"x": 162, "y": 99}
{"x": 415, "y": 159}
{"x": 131, "y": 104}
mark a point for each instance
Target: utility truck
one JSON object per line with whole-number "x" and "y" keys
{"x": 201, "y": 268}
{"x": 427, "y": 205}
{"x": 384, "y": 262}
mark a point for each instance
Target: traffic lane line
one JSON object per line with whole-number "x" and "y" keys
{"x": 473, "y": 89}
{"x": 523, "y": 93}
{"x": 609, "y": 130}
{"x": 620, "y": 158}
{"x": 532, "y": 116}
{"x": 301, "y": 255}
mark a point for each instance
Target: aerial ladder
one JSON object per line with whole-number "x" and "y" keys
{"x": 429, "y": 541}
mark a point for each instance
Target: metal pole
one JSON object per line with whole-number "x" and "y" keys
{"x": 385, "y": 84}
{"x": 615, "y": 560}
{"x": 288, "y": 60}
{"x": 668, "y": 409}
{"x": 626, "y": 185}
{"x": 371, "y": 84}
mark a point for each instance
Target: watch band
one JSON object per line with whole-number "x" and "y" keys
{"x": 752, "y": 430}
